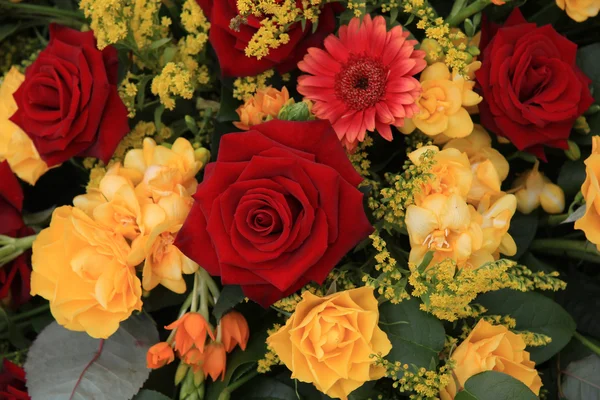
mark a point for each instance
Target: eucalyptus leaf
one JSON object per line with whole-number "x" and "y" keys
{"x": 493, "y": 385}
{"x": 63, "y": 364}
{"x": 146, "y": 394}
{"x": 581, "y": 380}
{"x": 417, "y": 337}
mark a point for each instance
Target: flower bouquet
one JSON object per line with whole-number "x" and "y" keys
{"x": 299, "y": 199}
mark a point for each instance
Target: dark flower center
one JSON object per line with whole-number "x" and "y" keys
{"x": 361, "y": 82}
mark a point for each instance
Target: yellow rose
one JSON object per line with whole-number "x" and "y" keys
{"x": 579, "y": 10}
{"x": 442, "y": 103}
{"x": 81, "y": 268}
{"x": 161, "y": 170}
{"x": 492, "y": 348}
{"x": 451, "y": 172}
{"x": 328, "y": 341}
{"x": 15, "y": 146}
{"x": 445, "y": 225}
{"x": 590, "y": 222}
{"x": 263, "y": 106}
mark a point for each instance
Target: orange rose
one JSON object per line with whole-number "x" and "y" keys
{"x": 590, "y": 222}
{"x": 80, "y": 267}
{"x": 328, "y": 341}
{"x": 492, "y": 348}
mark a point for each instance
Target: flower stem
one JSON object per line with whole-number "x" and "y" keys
{"x": 237, "y": 384}
{"x": 14, "y": 247}
{"x": 456, "y": 7}
{"x": 34, "y": 9}
{"x": 212, "y": 285}
{"x": 38, "y": 310}
{"x": 571, "y": 248}
{"x": 466, "y": 12}
{"x": 203, "y": 298}
{"x": 195, "y": 293}
{"x": 587, "y": 342}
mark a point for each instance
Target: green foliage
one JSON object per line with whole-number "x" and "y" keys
{"x": 523, "y": 228}
{"x": 230, "y": 296}
{"x": 493, "y": 385}
{"x": 581, "y": 380}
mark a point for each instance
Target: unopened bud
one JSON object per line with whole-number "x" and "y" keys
{"x": 202, "y": 154}
{"x": 573, "y": 152}
{"x": 433, "y": 50}
{"x": 594, "y": 108}
{"x": 198, "y": 378}
{"x": 181, "y": 372}
{"x": 225, "y": 395}
{"x": 582, "y": 126}
{"x": 527, "y": 200}
{"x": 552, "y": 199}
{"x": 295, "y": 112}
{"x": 187, "y": 387}
{"x": 201, "y": 390}
{"x": 473, "y": 50}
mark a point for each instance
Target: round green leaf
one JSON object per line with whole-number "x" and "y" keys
{"x": 146, "y": 394}
{"x": 493, "y": 385}
{"x": 581, "y": 380}
{"x": 533, "y": 312}
{"x": 417, "y": 337}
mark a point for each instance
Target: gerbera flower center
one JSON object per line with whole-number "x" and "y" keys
{"x": 361, "y": 82}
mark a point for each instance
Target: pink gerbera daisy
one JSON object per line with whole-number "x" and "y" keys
{"x": 364, "y": 80}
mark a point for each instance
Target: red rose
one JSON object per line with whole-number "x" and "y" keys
{"x": 230, "y": 45}
{"x": 532, "y": 88}
{"x": 12, "y": 382}
{"x": 15, "y": 275}
{"x": 68, "y": 104}
{"x": 278, "y": 209}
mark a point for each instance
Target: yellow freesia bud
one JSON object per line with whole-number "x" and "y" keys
{"x": 552, "y": 199}
{"x": 528, "y": 189}
{"x": 573, "y": 152}
{"x": 579, "y": 10}
{"x": 202, "y": 154}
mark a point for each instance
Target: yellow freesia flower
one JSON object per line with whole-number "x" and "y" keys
{"x": 590, "y": 222}
{"x": 533, "y": 189}
{"x": 80, "y": 267}
{"x": 579, "y": 10}
{"x": 492, "y": 348}
{"x": 328, "y": 341}
{"x": 495, "y": 223}
{"x": 15, "y": 146}
{"x": 442, "y": 103}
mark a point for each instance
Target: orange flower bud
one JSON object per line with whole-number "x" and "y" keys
{"x": 159, "y": 355}
{"x": 234, "y": 331}
{"x": 263, "y": 106}
{"x": 191, "y": 332}
{"x": 195, "y": 359}
{"x": 215, "y": 360}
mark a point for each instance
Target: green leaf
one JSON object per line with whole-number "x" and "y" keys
{"x": 146, "y": 394}
{"x": 141, "y": 94}
{"x": 159, "y": 43}
{"x": 587, "y": 59}
{"x": 523, "y": 228}
{"x": 230, "y": 296}
{"x": 571, "y": 177}
{"x": 161, "y": 297}
{"x": 63, "y": 364}
{"x": 393, "y": 15}
{"x": 228, "y": 106}
{"x": 169, "y": 54}
{"x": 533, "y": 312}
{"x": 7, "y": 29}
{"x": 267, "y": 388}
{"x": 417, "y": 337}
{"x": 494, "y": 385}
{"x": 581, "y": 380}
{"x": 158, "y": 112}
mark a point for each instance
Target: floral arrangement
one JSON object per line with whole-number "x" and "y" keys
{"x": 285, "y": 199}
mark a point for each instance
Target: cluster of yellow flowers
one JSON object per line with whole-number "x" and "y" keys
{"x": 246, "y": 87}
{"x": 276, "y": 16}
{"x": 174, "y": 80}
{"x": 447, "y": 291}
{"x": 461, "y": 212}
{"x": 85, "y": 262}
{"x": 189, "y": 47}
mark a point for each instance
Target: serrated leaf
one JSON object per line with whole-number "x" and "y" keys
{"x": 581, "y": 380}
{"x": 417, "y": 337}
{"x": 580, "y": 212}
{"x": 63, "y": 364}
{"x": 146, "y": 394}
{"x": 494, "y": 385}
{"x": 230, "y": 296}
{"x": 533, "y": 312}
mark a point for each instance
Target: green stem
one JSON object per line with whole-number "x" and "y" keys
{"x": 44, "y": 10}
{"x": 466, "y": 12}
{"x": 12, "y": 354}
{"x": 587, "y": 343}
{"x": 239, "y": 382}
{"x": 184, "y": 308}
{"x": 195, "y": 293}
{"x": 212, "y": 285}
{"x": 204, "y": 299}
{"x": 38, "y": 310}
{"x": 571, "y": 248}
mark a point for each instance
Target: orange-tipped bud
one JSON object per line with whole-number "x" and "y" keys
{"x": 215, "y": 361}
{"x": 159, "y": 355}
{"x": 234, "y": 331}
{"x": 195, "y": 359}
{"x": 191, "y": 332}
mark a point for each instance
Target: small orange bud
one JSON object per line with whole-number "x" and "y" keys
{"x": 215, "y": 361}
{"x": 263, "y": 106}
{"x": 191, "y": 331}
{"x": 159, "y": 355}
{"x": 195, "y": 359}
{"x": 234, "y": 330}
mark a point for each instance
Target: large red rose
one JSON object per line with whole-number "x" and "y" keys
{"x": 532, "y": 88}
{"x": 15, "y": 275}
{"x": 68, "y": 104}
{"x": 230, "y": 45}
{"x": 278, "y": 209}
{"x": 12, "y": 382}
